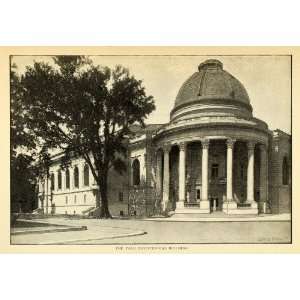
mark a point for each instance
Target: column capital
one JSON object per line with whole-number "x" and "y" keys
{"x": 230, "y": 142}
{"x": 166, "y": 148}
{"x": 262, "y": 147}
{"x": 205, "y": 143}
{"x": 182, "y": 146}
{"x": 251, "y": 145}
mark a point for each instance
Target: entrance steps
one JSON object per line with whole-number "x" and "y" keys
{"x": 194, "y": 213}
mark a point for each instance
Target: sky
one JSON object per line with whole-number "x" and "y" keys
{"x": 267, "y": 80}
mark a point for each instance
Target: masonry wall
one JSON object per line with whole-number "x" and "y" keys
{"x": 279, "y": 193}
{"x": 142, "y": 197}
{"x": 79, "y": 200}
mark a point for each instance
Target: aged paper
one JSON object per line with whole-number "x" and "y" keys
{"x": 212, "y": 172}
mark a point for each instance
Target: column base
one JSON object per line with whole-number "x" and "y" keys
{"x": 263, "y": 207}
{"x": 253, "y": 204}
{"x": 230, "y": 207}
{"x": 164, "y": 205}
{"x": 252, "y": 209}
{"x": 204, "y": 207}
{"x": 179, "y": 204}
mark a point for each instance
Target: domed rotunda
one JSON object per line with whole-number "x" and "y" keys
{"x": 213, "y": 154}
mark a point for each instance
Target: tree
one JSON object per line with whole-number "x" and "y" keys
{"x": 86, "y": 111}
{"x": 23, "y": 183}
{"x": 23, "y": 172}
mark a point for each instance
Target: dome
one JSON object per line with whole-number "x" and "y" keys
{"x": 212, "y": 84}
{"x": 211, "y": 103}
{"x": 211, "y": 81}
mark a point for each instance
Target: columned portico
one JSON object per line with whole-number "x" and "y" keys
{"x": 204, "y": 202}
{"x": 182, "y": 154}
{"x": 214, "y": 190}
{"x": 166, "y": 180}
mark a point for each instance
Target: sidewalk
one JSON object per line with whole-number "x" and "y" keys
{"x": 221, "y": 217}
{"x": 48, "y": 229}
{"x": 59, "y": 233}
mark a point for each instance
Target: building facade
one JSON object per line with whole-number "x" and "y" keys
{"x": 213, "y": 155}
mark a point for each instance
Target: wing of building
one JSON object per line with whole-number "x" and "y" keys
{"x": 213, "y": 155}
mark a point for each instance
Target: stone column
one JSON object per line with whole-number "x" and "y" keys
{"x": 263, "y": 178}
{"x": 182, "y": 149}
{"x": 158, "y": 172}
{"x": 204, "y": 202}
{"x": 71, "y": 172}
{"x": 166, "y": 183}
{"x": 48, "y": 193}
{"x": 81, "y": 173}
{"x": 229, "y": 204}
{"x": 63, "y": 180}
{"x": 250, "y": 175}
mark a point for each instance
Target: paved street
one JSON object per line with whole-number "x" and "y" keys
{"x": 133, "y": 232}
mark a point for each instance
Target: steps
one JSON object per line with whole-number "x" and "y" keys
{"x": 187, "y": 212}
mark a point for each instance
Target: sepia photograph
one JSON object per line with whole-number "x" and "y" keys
{"x": 150, "y": 149}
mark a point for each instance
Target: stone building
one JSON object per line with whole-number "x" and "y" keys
{"x": 213, "y": 155}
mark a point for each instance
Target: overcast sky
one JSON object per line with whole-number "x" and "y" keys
{"x": 266, "y": 79}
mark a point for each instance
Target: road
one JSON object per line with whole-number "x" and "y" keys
{"x": 131, "y": 232}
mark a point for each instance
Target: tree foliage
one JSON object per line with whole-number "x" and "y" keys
{"x": 85, "y": 110}
{"x": 23, "y": 171}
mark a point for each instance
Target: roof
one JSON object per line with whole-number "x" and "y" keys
{"x": 211, "y": 82}
{"x": 137, "y": 130}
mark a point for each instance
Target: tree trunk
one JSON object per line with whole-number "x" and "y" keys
{"x": 104, "y": 211}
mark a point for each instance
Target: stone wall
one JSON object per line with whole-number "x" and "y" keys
{"x": 79, "y": 200}
{"x": 279, "y": 193}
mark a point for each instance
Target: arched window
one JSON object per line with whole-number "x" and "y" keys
{"x": 67, "y": 179}
{"x": 285, "y": 171}
{"x": 59, "y": 180}
{"x": 136, "y": 172}
{"x": 52, "y": 181}
{"x": 76, "y": 177}
{"x": 86, "y": 178}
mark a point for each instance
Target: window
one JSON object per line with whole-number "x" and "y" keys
{"x": 59, "y": 180}
{"x": 214, "y": 171}
{"x": 121, "y": 196}
{"x": 84, "y": 199}
{"x": 285, "y": 171}
{"x": 86, "y": 179}
{"x": 76, "y": 177}
{"x": 198, "y": 194}
{"x": 66, "y": 199}
{"x": 75, "y": 199}
{"x": 136, "y": 172}
{"x": 52, "y": 182}
{"x": 67, "y": 179}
